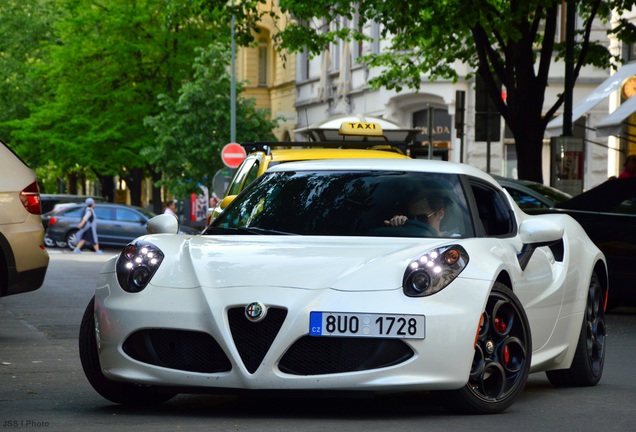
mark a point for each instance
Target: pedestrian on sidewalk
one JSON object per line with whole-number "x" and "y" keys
{"x": 87, "y": 233}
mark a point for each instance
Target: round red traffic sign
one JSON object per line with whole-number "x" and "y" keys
{"x": 232, "y": 155}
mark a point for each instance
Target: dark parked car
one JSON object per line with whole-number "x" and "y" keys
{"x": 531, "y": 196}
{"x": 608, "y": 215}
{"x": 117, "y": 224}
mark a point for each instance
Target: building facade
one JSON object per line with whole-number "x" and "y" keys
{"x": 268, "y": 75}
{"x": 335, "y": 84}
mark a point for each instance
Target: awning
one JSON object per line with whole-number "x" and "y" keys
{"x": 607, "y": 87}
{"x": 613, "y": 123}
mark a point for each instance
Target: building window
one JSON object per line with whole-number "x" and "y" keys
{"x": 629, "y": 52}
{"x": 262, "y": 61}
{"x": 375, "y": 35}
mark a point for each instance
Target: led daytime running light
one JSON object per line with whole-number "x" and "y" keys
{"x": 136, "y": 265}
{"x": 434, "y": 270}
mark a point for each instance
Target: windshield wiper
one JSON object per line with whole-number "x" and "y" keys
{"x": 263, "y": 231}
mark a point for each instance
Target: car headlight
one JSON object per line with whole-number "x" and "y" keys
{"x": 136, "y": 265}
{"x": 434, "y": 270}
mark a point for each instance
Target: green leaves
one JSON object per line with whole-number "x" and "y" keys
{"x": 192, "y": 128}
{"x": 78, "y": 77}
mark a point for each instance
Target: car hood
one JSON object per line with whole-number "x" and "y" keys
{"x": 287, "y": 261}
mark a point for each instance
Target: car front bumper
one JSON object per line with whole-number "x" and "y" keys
{"x": 195, "y": 338}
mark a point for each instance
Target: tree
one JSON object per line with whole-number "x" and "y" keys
{"x": 26, "y": 29}
{"x": 109, "y": 61}
{"x": 508, "y": 42}
{"x": 192, "y": 129}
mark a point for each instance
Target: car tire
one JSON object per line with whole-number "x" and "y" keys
{"x": 502, "y": 357}
{"x": 71, "y": 239}
{"x": 589, "y": 358}
{"x": 114, "y": 391}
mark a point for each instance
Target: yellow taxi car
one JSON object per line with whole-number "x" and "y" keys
{"x": 264, "y": 155}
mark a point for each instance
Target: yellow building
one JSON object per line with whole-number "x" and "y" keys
{"x": 270, "y": 76}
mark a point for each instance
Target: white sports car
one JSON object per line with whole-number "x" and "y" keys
{"x": 377, "y": 276}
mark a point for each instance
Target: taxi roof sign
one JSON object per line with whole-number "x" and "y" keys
{"x": 361, "y": 129}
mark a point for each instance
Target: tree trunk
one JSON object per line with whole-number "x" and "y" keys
{"x": 134, "y": 183}
{"x": 157, "y": 205}
{"x": 107, "y": 187}
{"x": 71, "y": 179}
{"x": 529, "y": 145}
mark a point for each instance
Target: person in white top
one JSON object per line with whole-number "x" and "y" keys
{"x": 170, "y": 208}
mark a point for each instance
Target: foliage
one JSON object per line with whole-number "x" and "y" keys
{"x": 79, "y": 77}
{"x": 509, "y": 42}
{"x": 26, "y": 30}
{"x": 193, "y": 128}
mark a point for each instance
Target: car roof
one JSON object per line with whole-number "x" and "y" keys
{"x": 387, "y": 164}
{"x": 550, "y": 195}
{"x": 105, "y": 204}
{"x": 286, "y": 155}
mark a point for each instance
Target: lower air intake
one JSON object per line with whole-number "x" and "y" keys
{"x": 177, "y": 349}
{"x": 328, "y": 355}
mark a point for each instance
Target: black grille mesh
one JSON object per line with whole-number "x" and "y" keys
{"x": 177, "y": 349}
{"x": 253, "y": 339}
{"x": 327, "y": 355}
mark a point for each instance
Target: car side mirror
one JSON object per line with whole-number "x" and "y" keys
{"x": 535, "y": 232}
{"x": 540, "y": 230}
{"x": 163, "y": 224}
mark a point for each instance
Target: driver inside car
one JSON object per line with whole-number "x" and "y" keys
{"x": 424, "y": 208}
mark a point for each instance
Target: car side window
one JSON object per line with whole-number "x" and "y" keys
{"x": 75, "y": 212}
{"x": 251, "y": 175}
{"x": 494, "y": 213}
{"x": 123, "y": 214}
{"x": 104, "y": 213}
{"x": 238, "y": 182}
{"x": 627, "y": 207}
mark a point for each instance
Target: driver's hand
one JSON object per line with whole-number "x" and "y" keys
{"x": 396, "y": 221}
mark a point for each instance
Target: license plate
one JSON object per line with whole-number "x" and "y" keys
{"x": 347, "y": 324}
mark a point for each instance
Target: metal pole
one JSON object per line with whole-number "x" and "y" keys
{"x": 233, "y": 84}
{"x": 569, "y": 67}
{"x": 488, "y": 138}
{"x": 430, "y": 132}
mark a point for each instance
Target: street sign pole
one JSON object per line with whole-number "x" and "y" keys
{"x": 233, "y": 82}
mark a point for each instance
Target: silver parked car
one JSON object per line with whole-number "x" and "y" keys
{"x": 117, "y": 224}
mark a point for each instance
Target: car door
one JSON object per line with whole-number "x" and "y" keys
{"x": 537, "y": 284}
{"x": 128, "y": 225}
{"x": 105, "y": 223}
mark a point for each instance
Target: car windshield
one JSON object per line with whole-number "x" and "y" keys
{"x": 343, "y": 203}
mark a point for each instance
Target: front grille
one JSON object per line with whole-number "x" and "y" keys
{"x": 253, "y": 339}
{"x": 177, "y": 349}
{"x": 312, "y": 355}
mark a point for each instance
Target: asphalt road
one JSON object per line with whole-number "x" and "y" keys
{"x": 42, "y": 386}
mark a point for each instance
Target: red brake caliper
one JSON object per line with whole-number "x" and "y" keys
{"x": 501, "y": 325}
